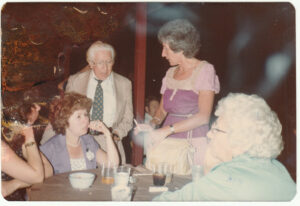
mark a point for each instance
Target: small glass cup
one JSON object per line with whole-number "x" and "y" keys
{"x": 107, "y": 174}
{"x": 121, "y": 192}
{"x": 159, "y": 174}
{"x": 169, "y": 173}
{"x": 121, "y": 175}
{"x": 197, "y": 172}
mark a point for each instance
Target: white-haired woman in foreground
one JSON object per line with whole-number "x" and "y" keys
{"x": 240, "y": 160}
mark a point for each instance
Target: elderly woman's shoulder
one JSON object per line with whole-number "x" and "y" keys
{"x": 253, "y": 165}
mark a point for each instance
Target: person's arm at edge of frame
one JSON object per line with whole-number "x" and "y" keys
{"x": 29, "y": 172}
{"x": 48, "y": 169}
{"x": 8, "y": 187}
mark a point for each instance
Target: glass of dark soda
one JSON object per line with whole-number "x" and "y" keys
{"x": 159, "y": 174}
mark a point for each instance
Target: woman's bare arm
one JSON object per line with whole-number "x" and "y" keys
{"x": 31, "y": 171}
{"x": 111, "y": 156}
{"x": 48, "y": 169}
{"x": 205, "y": 104}
{"x": 8, "y": 187}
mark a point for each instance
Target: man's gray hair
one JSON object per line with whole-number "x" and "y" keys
{"x": 96, "y": 46}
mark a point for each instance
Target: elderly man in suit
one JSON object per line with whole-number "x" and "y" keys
{"x": 111, "y": 94}
{"x": 117, "y": 110}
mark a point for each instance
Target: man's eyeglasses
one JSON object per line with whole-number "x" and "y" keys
{"x": 101, "y": 63}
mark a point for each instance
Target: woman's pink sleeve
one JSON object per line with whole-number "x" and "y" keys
{"x": 208, "y": 80}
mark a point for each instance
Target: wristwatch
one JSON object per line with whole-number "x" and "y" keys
{"x": 172, "y": 129}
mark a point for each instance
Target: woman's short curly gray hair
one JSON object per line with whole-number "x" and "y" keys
{"x": 252, "y": 124}
{"x": 180, "y": 35}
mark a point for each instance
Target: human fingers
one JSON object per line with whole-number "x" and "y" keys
{"x": 136, "y": 130}
{"x": 28, "y": 133}
{"x": 93, "y": 124}
{"x": 145, "y": 127}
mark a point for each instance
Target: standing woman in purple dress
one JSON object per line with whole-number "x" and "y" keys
{"x": 188, "y": 91}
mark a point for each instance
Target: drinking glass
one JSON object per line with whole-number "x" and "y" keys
{"x": 159, "y": 174}
{"x": 197, "y": 172}
{"x": 121, "y": 175}
{"x": 169, "y": 172}
{"x": 107, "y": 173}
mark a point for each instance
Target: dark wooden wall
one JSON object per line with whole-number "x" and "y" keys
{"x": 39, "y": 38}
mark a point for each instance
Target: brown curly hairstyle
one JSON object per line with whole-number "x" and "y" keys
{"x": 64, "y": 107}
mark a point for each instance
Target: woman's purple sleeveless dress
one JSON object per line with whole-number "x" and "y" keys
{"x": 180, "y": 98}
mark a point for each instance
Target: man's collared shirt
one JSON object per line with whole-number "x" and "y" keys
{"x": 109, "y": 97}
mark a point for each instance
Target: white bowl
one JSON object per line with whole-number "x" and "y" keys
{"x": 81, "y": 180}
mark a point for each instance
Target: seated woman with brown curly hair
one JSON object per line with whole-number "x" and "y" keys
{"x": 72, "y": 148}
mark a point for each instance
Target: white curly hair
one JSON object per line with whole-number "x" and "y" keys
{"x": 252, "y": 125}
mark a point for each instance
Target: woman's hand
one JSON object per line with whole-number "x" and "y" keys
{"x": 142, "y": 128}
{"x": 28, "y": 133}
{"x": 111, "y": 155}
{"x": 155, "y": 137}
{"x": 155, "y": 122}
{"x": 152, "y": 136}
{"x": 100, "y": 127}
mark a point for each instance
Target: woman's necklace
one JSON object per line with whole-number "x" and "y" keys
{"x": 73, "y": 145}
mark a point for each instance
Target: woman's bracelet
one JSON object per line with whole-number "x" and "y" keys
{"x": 29, "y": 144}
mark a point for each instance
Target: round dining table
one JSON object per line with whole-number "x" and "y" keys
{"x": 58, "y": 187}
